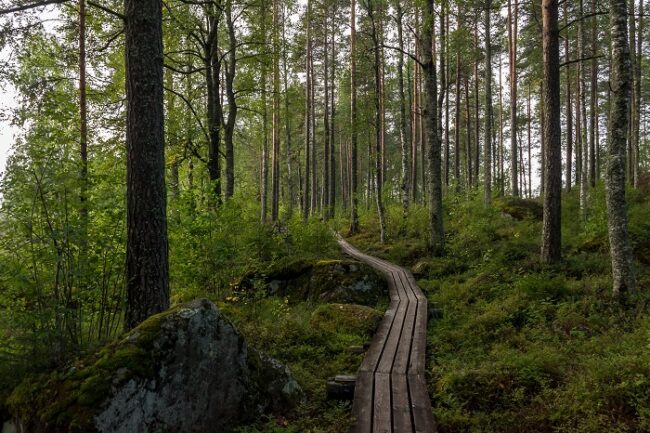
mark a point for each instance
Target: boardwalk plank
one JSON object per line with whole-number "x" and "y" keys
{"x": 391, "y": 394}
{"x": 363, "y": 402}
{"x": 401, "y": 404}
{"x": 382, "y": 422}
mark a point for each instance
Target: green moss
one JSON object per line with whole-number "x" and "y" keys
{"x": 68, "y": 400}
{"x": 346, "y": 318}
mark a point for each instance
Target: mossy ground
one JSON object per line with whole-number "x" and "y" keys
{"x": 521, "y": 347}
{"x": 314, "y": 340}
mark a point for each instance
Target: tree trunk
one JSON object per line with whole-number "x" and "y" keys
{"x": 326, "y": 125}
{"x": 147, "y": 266}
{"x": 275, "y": 157}
{"x": 569, "y": 106}
{"x": 379, "y": 121}
{"x": 468, "y": 150}
{"x": 552, "y": 235}
{"x": 229, "y": 124}
{"x": 403, "y": 128}
{"x": 437, "y": 237}
{"x": 354, "y": 219}
{"x": 287, "y": 120}
{"x": 487, "y": 168}
{"x": 332, "y": 172}
{"x": 581, "y": 116}
{"x": 442, "y": 95}
{"x": 213, "y": 109}
{"x": 306, "y": 205}
{"x": 620, "y": 84}
{"x": 512, "y": 50}
{"x": 593, "y": 110}
{"x": 457, "y": 127}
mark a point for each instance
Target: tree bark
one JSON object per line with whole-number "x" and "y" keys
{"x": 552, "y": 235}
{"x": 569, "y": 106}
{"x": 229, "y": 124}
{"x": 354, "y": 218}
{"x": 275, "y": 157}
{"x": 403, "y": 127}
{"x": 146, "y": 248}
{"x": 620, "y": 85}
{"x": 379, "y": 120}
{"x": 487, "y": 161}
{"x": 512, "y": 51}
{"x": 306, "y": 205}
{"x": 436, "y": 235}
{"x": 287, "y": 121}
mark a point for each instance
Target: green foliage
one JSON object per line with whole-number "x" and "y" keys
{"x": 523, "y": 347}
{"x": 314, "y": 341}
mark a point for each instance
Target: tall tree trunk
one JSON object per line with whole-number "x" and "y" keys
{"x": 457, "y": 127}
{"x": 354, "y": 219}
{"x": 530, "y": 145}
{"x": 306, "y": 206}
{"x": 569, "y": 105}
{"x": 332, "y": 172}
{"x": 477, "y": 130}
{"x": 326, "y": 124}
{"x": 552, "y": 235}
{"x": 403, "y": 128}
{"x": 633, "y": 103}
{"x": 512, "y": 50}
{"x": 229, "y": 124}
{"x": 593, "y": 110}
{"x": 620, "y": 84}
{"x": 314, "y": 173}
{"x": 264, "y": 178}
{"x": 487, "y": 168}
{"x": 500, "y": 174}
{"x": 470, "y": 138}
{"x": 442, "y": 95}
{"x": 581, "y": 114}
{"x": 287, "y": 120}
{"x": 637, "y": 96}
{"x": 437, "y": 236}
{"x": 275, "y": 157}
{"x": 213, "y": 101}
{"x": 147, "y": 267}
{"x": 415, "y": 117}
{"x": 379, "y": 121}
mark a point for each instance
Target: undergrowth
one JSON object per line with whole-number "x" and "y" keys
{"x": 521, "y": 347}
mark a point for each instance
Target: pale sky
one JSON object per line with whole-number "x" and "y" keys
{"x": 7, "y": 132}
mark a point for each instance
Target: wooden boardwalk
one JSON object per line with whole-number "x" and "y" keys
{"x": 391, "y": 392}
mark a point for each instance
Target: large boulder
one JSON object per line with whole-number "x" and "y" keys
{"x": 184, "y": 370}
{"x": 333, "y": 281}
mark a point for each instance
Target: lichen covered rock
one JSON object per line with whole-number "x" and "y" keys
{"x": 334, "y": 281}
{"x": 184, "y": 370}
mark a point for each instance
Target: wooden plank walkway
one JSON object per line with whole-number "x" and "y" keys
{"x": 391, "y": 392}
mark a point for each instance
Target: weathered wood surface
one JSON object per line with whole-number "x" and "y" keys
{"x": 391, "y": 394}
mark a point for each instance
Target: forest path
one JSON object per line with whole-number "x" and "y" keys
{"x": 391, "y": 392}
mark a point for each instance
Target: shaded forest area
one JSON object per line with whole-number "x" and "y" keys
{"x": 183, "y": 149}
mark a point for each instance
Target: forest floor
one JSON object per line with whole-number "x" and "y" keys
{"x": 519, "y": 347}
{"x": 513, "y": 346}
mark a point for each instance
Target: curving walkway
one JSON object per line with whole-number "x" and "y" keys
{"x": 391, "y": 392}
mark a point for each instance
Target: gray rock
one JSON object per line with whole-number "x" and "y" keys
{"x": 202, "y": 378}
